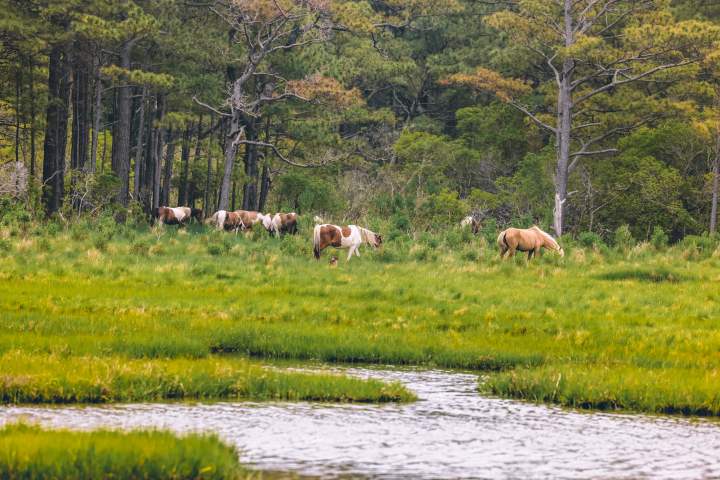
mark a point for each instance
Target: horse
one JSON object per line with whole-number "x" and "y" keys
{"x": 250, "y": 218}
{"x": 349, "y": 236}
{"x": 177, "y": 215}
{"x": 281, "y": 223}
{"x": 529, "y": 240}
{"x": 224, "y": 220}
{"x": 472, "y": 221}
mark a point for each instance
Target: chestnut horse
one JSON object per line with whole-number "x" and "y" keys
{"x": 529, "y": 240}
{"x": 350, "y": 237}
{"x": 177, "y": 215}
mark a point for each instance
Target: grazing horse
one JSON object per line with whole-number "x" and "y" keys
{"x": 281, "y": 223}
{"x": 529, "y": 240}
{"x": 350, "y": 237}
{"x": 177, "y": 215}
{"x": 250, "y": 218}
{"x": 471, "y": 221}
{"x": 224, "y": 220}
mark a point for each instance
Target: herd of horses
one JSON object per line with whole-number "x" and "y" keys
{"x": 350, "y": 237}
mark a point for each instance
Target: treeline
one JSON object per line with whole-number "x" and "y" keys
{"x": 583, "y": 115}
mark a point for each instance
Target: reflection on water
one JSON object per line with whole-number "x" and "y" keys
{"x": 452, "y": 432}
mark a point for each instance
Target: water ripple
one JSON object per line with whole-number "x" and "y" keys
{"x": 451, "y": 432}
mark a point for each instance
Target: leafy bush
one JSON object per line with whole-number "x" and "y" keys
{"x": 623, "y": 238}
{"x": 590, "y": 240}
{"x": 441, "y": 210}
{"x": 659, "y": 238}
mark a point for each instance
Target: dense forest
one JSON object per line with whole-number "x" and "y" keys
{"x": 581, "y": 115}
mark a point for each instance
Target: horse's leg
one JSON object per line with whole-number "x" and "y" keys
{"x": 357, "y": 251}
{"x": 351, "y": 250}
{"x": 530, "y": 254}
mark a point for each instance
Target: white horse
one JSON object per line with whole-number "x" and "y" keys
{"x": 350, "y": 237}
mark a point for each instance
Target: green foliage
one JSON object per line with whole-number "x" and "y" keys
{"x": 659, "y": 238}
{"x": 305, "y": 193}
{"x": 440, "y": 210}
{"x": 623, "y": 239}
{"x": 590, "y": 240}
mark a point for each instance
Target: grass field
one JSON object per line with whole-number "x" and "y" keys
{"x": 32, "y": 453}
{"x": 600, "y": 328}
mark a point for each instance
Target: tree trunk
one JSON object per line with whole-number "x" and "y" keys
{"x": 97, "y": 115}
{"x": 185, "y": 161}
{"x": 564, "y": 126}
{"x": 167, "y": 173}
{"x": 265, "y": 183}
{"x": 139, "y": 146}
{"x": 206, "y": 200}
{"x": 716, "y": 181}
{"x": 55, "y": 130}
{"x": 230, "y": 152}
{"x": 18, "y": 83}
{"x": 31, "y": 67}
{"x": 121, "y": 132}
{"x": 81, "y": 110}
{"x": 251, "y": 170}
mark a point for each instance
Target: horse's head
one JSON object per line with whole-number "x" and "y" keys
{"x": 377, "y": 240}
{"x": 561, "y": 252}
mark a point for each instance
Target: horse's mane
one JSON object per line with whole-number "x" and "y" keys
{"x": 547, "y": 235}
{"x": 365, "y": 233}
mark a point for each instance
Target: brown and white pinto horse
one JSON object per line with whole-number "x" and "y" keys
{"x": 529, "y": 240}
{"x": 224, "y": 220}
{"x": 281, "y": 223}
{"x": 177, "y": 215}
{"x": 250, "y": 218}
{"x": 350, "y": 237}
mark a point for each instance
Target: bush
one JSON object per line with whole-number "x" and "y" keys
{"x": 590, "y": 240}
{"x": 659, "y": 238}
{"x": 623, "y": 238}
{"x": 13, "y": 213}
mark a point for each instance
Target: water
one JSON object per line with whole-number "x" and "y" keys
{"x": 451, "y": 432}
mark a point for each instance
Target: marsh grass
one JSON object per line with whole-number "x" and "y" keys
{"x": 82, "y": 379}
{"x": 29, "y": 452}
{"x": 687, "y": 391}
{"x": 434, "y": 300}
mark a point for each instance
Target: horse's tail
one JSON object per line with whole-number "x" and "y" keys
{"x": 221, "y": 217}
{"x": 316, "y": 241}
{"x": 502, "y": 241}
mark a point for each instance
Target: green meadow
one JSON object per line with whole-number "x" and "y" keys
{"x": 102, "y": 312}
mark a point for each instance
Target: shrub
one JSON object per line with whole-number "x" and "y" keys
{"x": 659, "y": 238}
{"x": 623, "y": 238}
{"x": 590, "y": 240}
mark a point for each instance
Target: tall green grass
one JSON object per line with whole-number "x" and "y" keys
{"x": 57, "y": 379}
{"x": 28, "y": 452}
{"x": 437, "y": 300}
{"x": 688, "y": 391}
